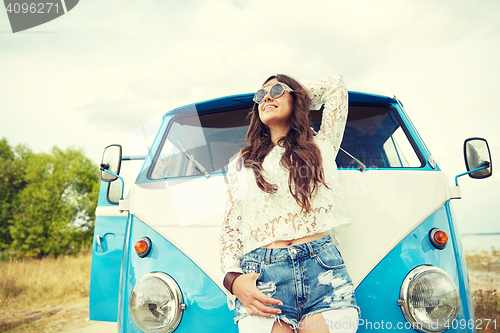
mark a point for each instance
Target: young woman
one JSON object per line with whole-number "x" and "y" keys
{"x": 278, "y": 244}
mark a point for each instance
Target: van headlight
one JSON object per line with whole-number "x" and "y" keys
{"x": 156, "y": 303}
{"x": 429, "y": 299}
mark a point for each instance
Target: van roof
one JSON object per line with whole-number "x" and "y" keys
{"x": 241, "y": 99}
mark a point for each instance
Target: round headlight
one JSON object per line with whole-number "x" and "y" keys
{"x": 156, "y": 303}
{"x": 429, "y": 299}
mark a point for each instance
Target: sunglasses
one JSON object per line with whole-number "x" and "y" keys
{"x": 276, "y": 92}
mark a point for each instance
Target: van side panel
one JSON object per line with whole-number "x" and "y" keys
{"x": 465, "y": 291}
{"x": 106, "y": 259}
{"x": 206, "y": 310}
{"x": 378, "y": 293}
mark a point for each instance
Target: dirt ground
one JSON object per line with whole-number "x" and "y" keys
{"x": 69, "y": 318}
{"x": 94, "y": 326}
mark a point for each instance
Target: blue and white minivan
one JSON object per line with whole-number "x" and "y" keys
{"x": 155, "y": 260}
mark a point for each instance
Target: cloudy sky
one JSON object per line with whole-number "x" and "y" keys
{"x": 90, "y": 77}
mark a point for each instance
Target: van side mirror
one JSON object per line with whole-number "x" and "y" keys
{"x": 477, "y": 154}
{"x": 111, "y": 160}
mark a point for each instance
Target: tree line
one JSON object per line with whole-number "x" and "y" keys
{"x": 47, "y": 201}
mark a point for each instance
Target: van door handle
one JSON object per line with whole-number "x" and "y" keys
{"x": 99, "y": 239}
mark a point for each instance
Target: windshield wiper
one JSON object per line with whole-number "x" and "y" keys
{"x": 196, "y": 164}
{"x": 362, "y": 166}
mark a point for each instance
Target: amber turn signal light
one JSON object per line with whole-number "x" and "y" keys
{"x": 438, "y": 238}
{"x": 143, "y": 247}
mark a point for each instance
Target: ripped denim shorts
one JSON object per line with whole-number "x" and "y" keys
{"x": 308, "y": 278}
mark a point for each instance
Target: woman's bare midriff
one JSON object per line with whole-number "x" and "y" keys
{"x": 286, "y": 243}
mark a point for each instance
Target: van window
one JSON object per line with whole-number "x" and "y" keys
{"x": 375, "y": 136}
{"x": 195, "y": 143}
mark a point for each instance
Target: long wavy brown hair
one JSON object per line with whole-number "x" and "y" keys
{"x": 301, "y": 153}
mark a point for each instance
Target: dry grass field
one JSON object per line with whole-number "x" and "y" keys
{"x": 43, "y": 295}
{"x": 51, "y": 295}
{"x": 484, "y": 276}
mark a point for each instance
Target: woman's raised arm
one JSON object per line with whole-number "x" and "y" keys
{"x": 332, "y": 92}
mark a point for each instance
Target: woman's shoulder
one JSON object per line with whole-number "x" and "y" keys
{"x": 233, "y": 159}
{"x": 235, "y": 163}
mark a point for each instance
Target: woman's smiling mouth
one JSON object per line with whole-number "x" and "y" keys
{"x": 269, "y": 106}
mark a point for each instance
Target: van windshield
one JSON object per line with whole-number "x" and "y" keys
{"x": 373, "y": 135}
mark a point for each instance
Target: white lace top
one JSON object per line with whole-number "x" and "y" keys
{"x": 255, "y": 218}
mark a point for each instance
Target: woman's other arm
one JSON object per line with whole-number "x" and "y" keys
{"x": 243, "y": 286}
{"x": 231, "y": 239}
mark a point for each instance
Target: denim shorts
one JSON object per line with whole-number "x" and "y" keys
{"x": 308, "y": 278}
